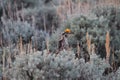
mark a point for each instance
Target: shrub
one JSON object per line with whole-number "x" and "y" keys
{"x": 80, "y": 26}
{"x": 51, "y": 67}
{"x": 107, "y": 20}
{"x": 39, "y": 40}
{"x": 13, "y": 30}
{"x": 111, "y": 14}
{"x": 44, "y": 14}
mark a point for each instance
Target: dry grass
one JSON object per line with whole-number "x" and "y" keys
{"x": 66, "y": 9}
{"x": 13, "y": 14}
{"x": 69, "y": 9}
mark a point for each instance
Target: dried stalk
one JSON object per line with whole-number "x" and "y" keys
{"x": 113, "y": 61}
{"x": 16, "y": 10}
{"x": 78, "y": 49}
{"x": 4, "y": 14}
{"x": 44, "y": 23}
{"x": 22, "y": 13}
{"x": 31, "y": 47}
{"x": 0, "y": 39}
{"x": 28, "y": 48}
{"x": 20, "y": 45}
{"x": 113, "y": 57}
{"x": 53, "y": 28}
{"x": 3, "y": 69}
{"x": 107, "y": 46}
{"x": 88, "y": 43}
{"x": 70, "y": 6}
{"x": 9, "y": 60}
{"x": 33, "y": 21}
{"x": 9, "y": 10}
{"x": 35, "y": 49}
{"x": 47, "y": 44}
{"x": 93, "y": 49}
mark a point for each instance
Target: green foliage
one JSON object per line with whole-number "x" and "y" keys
{"x": 38, "y": 40}
{"x": 107, "y": 20}
{"x": 111, "y": 14}
{"x": 56, "y": 67}
{"x": 80, "y": 26}
{"x": 13, "y": 30}
{"x": 41, "y": 14}
{"x": 44, "y": 12}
